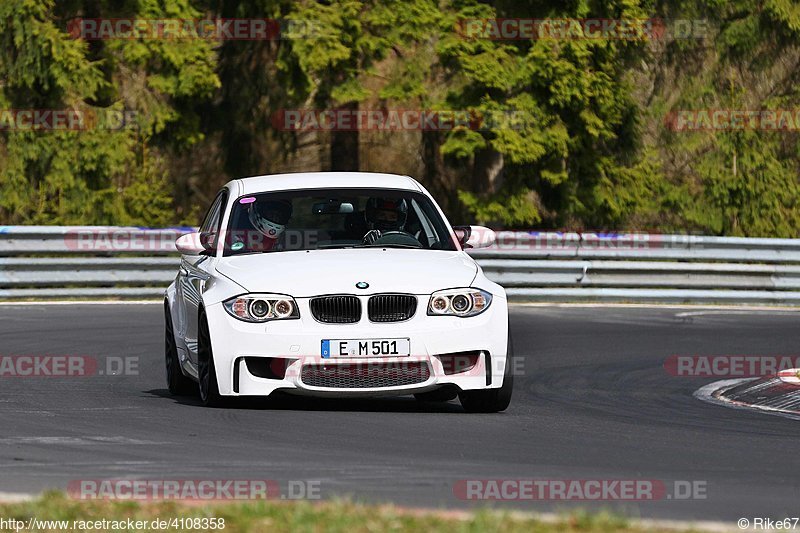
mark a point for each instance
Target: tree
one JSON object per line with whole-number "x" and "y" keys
{"x": 96, "y": 174}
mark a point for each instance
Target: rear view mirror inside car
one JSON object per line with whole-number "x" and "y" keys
{"x": 333, "y": 207}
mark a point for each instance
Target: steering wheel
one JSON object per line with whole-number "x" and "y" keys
{"x": 377, "y": 237}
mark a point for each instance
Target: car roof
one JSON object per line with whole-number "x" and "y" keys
{"x": 321, "y": 180}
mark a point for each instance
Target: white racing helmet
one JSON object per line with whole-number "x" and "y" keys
{"x": 269, "y": 217}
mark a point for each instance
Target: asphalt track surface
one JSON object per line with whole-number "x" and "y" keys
{"x": 594, "y": 402}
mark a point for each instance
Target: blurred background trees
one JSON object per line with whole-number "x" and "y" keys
{"x": 594, "y": 150}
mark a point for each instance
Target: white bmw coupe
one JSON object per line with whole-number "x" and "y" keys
{"x": 332, "y": 285}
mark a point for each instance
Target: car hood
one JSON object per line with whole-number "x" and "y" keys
{"x": 311, "y": 273}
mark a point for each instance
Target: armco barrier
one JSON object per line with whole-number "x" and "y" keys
{"x": 125, "y": 262}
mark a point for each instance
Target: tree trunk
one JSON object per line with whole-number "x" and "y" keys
{"x": 487, "y": 171}
{"x": 344, "y": 145}
{"x": 439, "y": 178}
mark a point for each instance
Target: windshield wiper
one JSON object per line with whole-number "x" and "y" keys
{"x": 334, "y": 246}
{"x": 406, "y": 246}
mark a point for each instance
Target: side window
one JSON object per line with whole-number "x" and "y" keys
{"x": 209, "y": 229}
{"x": 427, "y": 227}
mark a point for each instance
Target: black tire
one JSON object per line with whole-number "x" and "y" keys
{"x": 207, "y": 373}
{"x": 445, "y": 394}
{"x": 177, "y": 383}
{"x": 492, "y": 400}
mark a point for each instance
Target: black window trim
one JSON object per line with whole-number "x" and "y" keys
{"x": 222, "y": 197}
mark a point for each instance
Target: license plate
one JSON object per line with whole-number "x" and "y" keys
{"x": 366, "y": 347}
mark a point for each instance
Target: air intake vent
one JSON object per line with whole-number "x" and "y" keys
{"x": 365, "y": 376}
{"x": 342, "y": 309}
{"x": 391, "y": 307}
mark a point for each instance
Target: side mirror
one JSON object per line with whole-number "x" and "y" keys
{"x": 190, "y": 244}
{"x": 474, "y": 236}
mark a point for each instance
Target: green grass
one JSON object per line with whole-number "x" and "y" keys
{"x": 333, "y": 516}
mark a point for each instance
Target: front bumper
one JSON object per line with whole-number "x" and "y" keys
{"x": 297, "y": 344}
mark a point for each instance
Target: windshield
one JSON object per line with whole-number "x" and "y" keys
{"x": 335, "y": 218}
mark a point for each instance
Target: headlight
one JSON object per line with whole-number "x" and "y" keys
{"x": 262, "y": 308}
{"x": 459, "y": 302}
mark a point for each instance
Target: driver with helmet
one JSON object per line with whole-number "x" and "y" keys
{"x": 384, "y": 216}
{"x": 268, "y": 218}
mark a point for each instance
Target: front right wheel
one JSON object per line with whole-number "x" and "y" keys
{"x": 178, "y": 384}
{"x": 207, "y": 374}
{"x": 491, "y": 400}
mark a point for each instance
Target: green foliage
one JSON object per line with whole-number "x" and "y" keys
{"x": 95, "y": 174}
{"x": 739, "y": 182}
{"x": 515, "y": 209}
{"x": 572, "y": 99}
{"x": 567, "y": 133}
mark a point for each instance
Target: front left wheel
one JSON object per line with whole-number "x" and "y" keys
{"x": 207, "y": 374}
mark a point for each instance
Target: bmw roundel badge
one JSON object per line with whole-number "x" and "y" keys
{"x": 362, "y": 285}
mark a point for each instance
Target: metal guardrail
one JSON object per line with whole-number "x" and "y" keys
{"x": 126, "y": 262}
{"x": 96, "y": 240}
